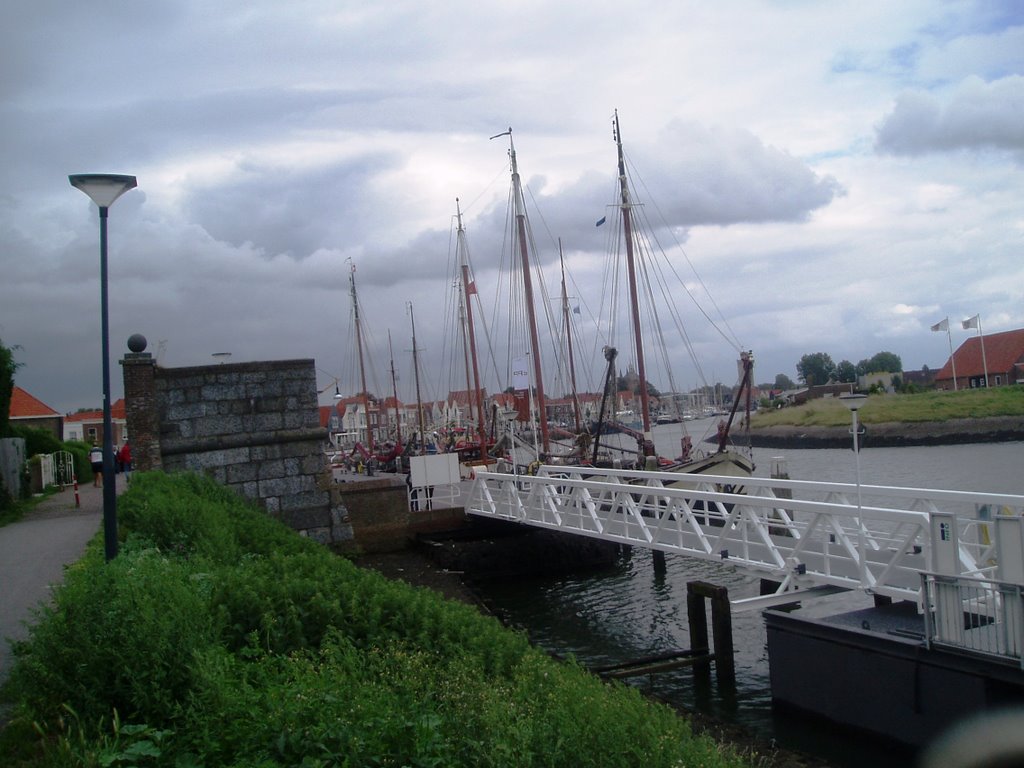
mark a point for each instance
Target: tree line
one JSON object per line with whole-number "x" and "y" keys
{"x": 819, "y": 368}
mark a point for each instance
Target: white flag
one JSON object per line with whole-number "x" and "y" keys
{"x": 521, "y": 373}
{"x": 943, "y": 326}
{"x": 971, "y": 322}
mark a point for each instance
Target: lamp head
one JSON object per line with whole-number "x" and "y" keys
{"x": 853, "y": 402}
{"x": 102, "y": 188}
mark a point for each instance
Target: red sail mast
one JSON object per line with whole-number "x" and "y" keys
{"x": 520, "y": 215}
{"x": 468, "y": 289}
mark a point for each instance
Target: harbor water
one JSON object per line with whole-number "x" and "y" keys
{"x": 631, "y": 611}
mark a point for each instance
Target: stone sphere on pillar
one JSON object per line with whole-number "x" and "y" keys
{"x": 137, "y": 343}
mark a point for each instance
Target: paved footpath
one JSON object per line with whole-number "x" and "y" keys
{"x": 33, "y": 553}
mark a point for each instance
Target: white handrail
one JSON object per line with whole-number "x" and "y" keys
{"x": 816, "y": 538}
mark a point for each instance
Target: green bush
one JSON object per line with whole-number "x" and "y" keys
{"x": 80, "y": 453}
{"x": 36, "y": 440}
{"x": 218, "y": 637}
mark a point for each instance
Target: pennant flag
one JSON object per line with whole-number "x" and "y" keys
{"x": 471, "y": 288}
{"x": 971, "y": 322}
{"x": 943, "y": 326}
{"x": 576, "y": 310}
{"x": 601, "y": 221}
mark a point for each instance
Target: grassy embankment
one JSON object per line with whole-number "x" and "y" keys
{"x": 882, "y": 409}
{"x": 218, "y": 637}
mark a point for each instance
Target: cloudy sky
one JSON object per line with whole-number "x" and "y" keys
{"x": 842, "y": 175}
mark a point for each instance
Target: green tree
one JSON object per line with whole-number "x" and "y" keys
{"x": 7, "y": 368}
{"x": 816, "y": 368}
{"x": 846, "y": 371}
{"x": 885, "y": 362}
{"x": 783, "y": 382}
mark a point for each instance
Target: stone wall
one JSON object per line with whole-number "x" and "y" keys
{"x": 253, "y": 427}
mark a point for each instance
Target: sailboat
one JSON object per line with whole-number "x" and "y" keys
{"x": 724, "y": 460}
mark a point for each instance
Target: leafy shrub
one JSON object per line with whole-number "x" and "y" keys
{"x": 36, "y": 440}
{"x": 218, "y": 637}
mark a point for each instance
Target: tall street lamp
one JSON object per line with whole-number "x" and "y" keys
{"x": 854, "y": 403}
{"x": 103, "y": 189}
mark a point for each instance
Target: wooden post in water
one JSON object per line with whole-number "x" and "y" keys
{"x": 660, "y": 567}
{"x": 721, "y": 620}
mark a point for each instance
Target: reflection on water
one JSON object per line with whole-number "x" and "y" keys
{"x": 630, "y": 611}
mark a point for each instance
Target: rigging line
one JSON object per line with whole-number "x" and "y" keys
{"x": 674, "y": 312}
{"x": 734, "y": 341}
{"x": 539, "y": 272}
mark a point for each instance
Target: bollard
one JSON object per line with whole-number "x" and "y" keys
{"x": 78, "y": 501}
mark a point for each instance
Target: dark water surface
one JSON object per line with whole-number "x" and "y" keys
{"x": 630, "y": 611}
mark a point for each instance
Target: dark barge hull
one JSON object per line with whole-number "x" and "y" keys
{"x": 870, "y": 670}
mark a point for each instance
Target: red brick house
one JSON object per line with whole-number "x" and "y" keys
{"x": 87, "y": 426}
{"x": 1003, "y": 359}
{"x": 28, "y": 411}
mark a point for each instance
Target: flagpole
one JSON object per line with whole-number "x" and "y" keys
{"x": 943, "y": 325}
{"x": 984, "y": 363}
{"x": 975, "y": 322}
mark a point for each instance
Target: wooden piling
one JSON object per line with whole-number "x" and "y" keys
{"x": 659, "y": 562}
{"x": 721, "y": 619}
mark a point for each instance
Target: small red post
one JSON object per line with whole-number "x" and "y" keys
{"x": 78, "y": 502}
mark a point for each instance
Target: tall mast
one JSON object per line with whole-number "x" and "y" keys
{"x": 468, "y": 289}
{"x": 627, "y": 226}
{"x": 520, "y": 214}
{"x": 362, "y": 367}
{"x": 568, "y": 337}
{"x": 416, "y": 375}
{"x": 394, "y": 393}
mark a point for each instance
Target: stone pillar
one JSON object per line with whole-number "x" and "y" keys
{"x": 139, "y": 371}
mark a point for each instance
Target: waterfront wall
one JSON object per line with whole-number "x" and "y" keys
{"x": 990, "y": 429}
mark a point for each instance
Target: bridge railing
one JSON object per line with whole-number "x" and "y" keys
{"x": 973, "y": 614}
{"x": 799, "y": 533}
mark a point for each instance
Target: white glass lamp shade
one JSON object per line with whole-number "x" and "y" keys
{"x": 853, "y": 402}
{"x": 102, "y": 188}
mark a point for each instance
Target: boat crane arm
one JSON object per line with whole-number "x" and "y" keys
{"x": 748, "y": 367}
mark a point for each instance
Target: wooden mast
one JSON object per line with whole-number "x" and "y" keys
{"x": 627, "y": 226}
{"x": 362, "y": 368}
{"x": 520, "y": 215}
{"x": 468, "y": 289}
{"x": 416, "y": 375}
{"x": 394, "y": 393}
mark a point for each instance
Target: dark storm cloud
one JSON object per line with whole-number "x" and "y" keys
{"x": 292, "y": 211}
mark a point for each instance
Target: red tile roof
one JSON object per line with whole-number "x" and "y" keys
{"x": 1002, "y": 352}
{"x": 25, "y": 406}
{"x": 116, "y": 412}
{"x": 325, "y": 412}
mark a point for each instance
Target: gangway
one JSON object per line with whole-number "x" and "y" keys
{"x": 809, "y": 537}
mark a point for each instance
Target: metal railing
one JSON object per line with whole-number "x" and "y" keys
{"x": 802, "y": 534}
{"x": 973, "y": 614}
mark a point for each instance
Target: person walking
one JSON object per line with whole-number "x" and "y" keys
{"x": 125, "y": 457}
{"x": 96, "y": 460}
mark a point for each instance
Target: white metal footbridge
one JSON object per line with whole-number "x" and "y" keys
{"x": 809, "y": 537}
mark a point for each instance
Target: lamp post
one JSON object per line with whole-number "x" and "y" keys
{"x": 103, "y": 189}
{"x": 854, "y": 403}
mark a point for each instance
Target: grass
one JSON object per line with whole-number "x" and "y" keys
{"x": 17, "y": 509}
{"x": 218, "y": 637}
{"x": 881, "y": 409}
